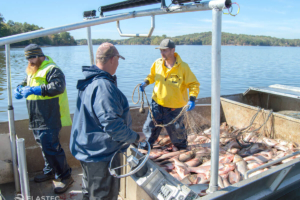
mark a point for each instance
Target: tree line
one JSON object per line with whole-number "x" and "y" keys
{"x": 204, "y": 39}
{"x": 12, "y": 28}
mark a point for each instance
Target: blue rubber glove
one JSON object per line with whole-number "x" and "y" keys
{"x": 191, "y": 104}
{"x": 26, "y": 91}
{"x": 142, "y": 86}
{"x": 17, "y": 92}
{"x": 37, "y": 90}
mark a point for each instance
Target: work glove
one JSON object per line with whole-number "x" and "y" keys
{"x": 17, "y": 92}
{"x": 191, "y": 103}
{"x": 26, "y": 91}
{"x": 142, "y": 86}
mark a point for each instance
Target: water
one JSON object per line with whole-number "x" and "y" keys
{"x": 242, "y": 67}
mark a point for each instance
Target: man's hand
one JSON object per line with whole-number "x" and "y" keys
{"x": 142, "y": 136}
{"x": 142, "y": 86}
{"x": 17, "y": 92}
{"x": 26, "y": 91}
{"x": 37, "y": 90}
{"x": 191, "y": 105}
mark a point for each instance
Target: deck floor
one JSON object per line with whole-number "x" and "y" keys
{"x": 45, "y": 189}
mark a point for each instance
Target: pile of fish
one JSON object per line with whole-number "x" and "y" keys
{"x": 192, "y": 165}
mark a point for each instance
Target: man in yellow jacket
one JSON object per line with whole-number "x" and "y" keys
{"x": 172, "y": 78}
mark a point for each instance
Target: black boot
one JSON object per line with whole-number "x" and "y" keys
{"x": 43, "y": 177}
{"x": 63, "y": 186}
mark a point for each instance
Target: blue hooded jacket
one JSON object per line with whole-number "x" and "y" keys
{"x": 102, "y": 121}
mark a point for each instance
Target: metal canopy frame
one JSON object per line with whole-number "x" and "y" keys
{"x": 216, "y": 6}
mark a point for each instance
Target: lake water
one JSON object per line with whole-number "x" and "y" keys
{"x": 242, "y": 67}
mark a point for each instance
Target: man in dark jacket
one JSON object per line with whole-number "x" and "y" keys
{"x": 101, "y": 125}
{"x": 46, "y": 96}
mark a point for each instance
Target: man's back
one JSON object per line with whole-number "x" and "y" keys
{"x": 101, "y": 118}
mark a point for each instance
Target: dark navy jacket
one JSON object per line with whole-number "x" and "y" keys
{"x": 102, "y": 121}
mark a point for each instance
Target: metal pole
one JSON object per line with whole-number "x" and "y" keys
{"x": 23, "y": 168}
{"x": 203, "y": 6}
{"x": 215, "y": 97}
{"x": 90, "y": 43}
{"x": 11, "y": 121}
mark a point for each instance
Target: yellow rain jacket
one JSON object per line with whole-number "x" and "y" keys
{"x": 170, "y": 89}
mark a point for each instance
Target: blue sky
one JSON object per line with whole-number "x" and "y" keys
{"x": 276, "y": 18}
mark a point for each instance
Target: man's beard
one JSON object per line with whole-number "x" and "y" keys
{"x": 32, "y": 68}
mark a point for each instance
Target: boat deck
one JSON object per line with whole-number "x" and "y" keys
{"x": 45, "y": 189}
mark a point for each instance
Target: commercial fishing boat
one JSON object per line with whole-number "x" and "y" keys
{"x": 279, "y": 103}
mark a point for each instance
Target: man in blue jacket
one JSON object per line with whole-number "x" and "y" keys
{"x": 101, "y": 125}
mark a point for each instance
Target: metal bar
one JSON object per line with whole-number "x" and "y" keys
{"x": 203, "y": 105}
{"x": 90, "y": 44}
{"x": 215, "y": 97}
{"x": 280, "y": 178}
{"x": 270, "y": 164}
{"x": 11, "y": 121}
{"x": 23, "y": 168}
{"x": 107, "y": 19}
{"x": 137, "y": 34}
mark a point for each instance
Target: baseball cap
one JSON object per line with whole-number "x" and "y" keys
{"x": 165, "y": 44}
{"x": 107, "y": 50}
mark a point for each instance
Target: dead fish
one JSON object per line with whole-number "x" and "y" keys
{"x": 182, "y": 171}
{"x": 253, "y": 165}
{"x": 186, "y": 156}
{"x": 225, "y": 181}
{"x": 226, "y": 158}
{"x": 194, "y": 162}
{"x": 248, "y": 136}
{"x": 257, "y": 158}
{"x": 269, "y": 142}
{"x": 255, "y": 148}
{"x": 220, "y": 182}
{"x": 267, "y": 154}
{"x": 232, "y": 177}
{"x": 202, "y": 179}
{"x": 241, "y": 165}
{"x": 169, "y": 155}
{"x": 154, "y": 153}
{"x": 164, "y": 141}
{"x": 168, "y": 167}
{"x": 178, "y": 163}
{"x": 281, "y": 147}
{"x": 227, "y": 168}
{"x": 233, "y": 150}
{"x": 232, "y": 144}
{"x": 191, "y": 138}
{"x": 175, "y": 175}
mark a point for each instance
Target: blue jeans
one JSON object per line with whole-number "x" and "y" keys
{"x": 54, "y": 155}
{"x": 163, "y": 115}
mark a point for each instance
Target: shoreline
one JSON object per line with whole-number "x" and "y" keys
{"x": 3, "y": 47}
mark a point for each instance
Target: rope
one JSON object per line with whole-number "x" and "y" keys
{"x": 150, "y": 110}
{"x": 230, "y": 11}
{"x": 244, "y": 131}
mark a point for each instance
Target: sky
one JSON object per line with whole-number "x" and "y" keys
{"x": 276, "y": 18}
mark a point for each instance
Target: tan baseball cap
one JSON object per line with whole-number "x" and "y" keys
{"x": 107, "y": 50}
